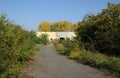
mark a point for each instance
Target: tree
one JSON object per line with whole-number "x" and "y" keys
{"x": 16, "y": 47}
{"x": 102, "y": 31}
{"x": 58, "y": 26}
{"x": 44, "y": 26}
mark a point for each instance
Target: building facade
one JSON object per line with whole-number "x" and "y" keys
{"x": 58, "y": 35}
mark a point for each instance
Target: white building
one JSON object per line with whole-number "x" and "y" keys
{"x": 57, "y": 35}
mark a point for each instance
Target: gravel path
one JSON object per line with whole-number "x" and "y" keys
{"x": 49, "y": 64}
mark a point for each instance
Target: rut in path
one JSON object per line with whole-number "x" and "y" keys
{"x": 49, "y": 64}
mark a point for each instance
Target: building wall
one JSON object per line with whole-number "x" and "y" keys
{"x": 57, "y": 35}
{"x": 51, "y": 35}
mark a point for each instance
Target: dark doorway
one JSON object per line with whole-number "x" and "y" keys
{"x": 61, "y": 38}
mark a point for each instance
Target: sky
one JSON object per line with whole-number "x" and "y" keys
{"x": 30, "y": 13}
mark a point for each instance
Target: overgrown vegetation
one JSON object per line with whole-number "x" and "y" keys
{"x": 97, "y": 43}
{"x": 42, "y": 39}
{"x": 16, "y": 47}
{"x": 101, "y": 32}
{"x": 57, "y": 26}
{"x": 101, "y": 61}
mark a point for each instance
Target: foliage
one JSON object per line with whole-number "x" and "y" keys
{"x": 43, "y": 39}
{"x": 60, "y": 48}
{"x": 57, "y": 26}
{"x": 97, "y": 33}
{"x": 34, "y": 38}
{"x": 111, "y": 64}
{"x": 44, "y": 26}
{"x": 101, "y": 32}
{"x": 16, "y": 47}
{"x": 75, "y": 53}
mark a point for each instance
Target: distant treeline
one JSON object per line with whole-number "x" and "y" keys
{"x": 57, "y": 26}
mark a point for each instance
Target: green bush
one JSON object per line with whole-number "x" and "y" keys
{"x": 59, "y": 47}
{"x": 75, "y": 53}
{"x": 111, "y": 64}
{"x": 34, "y": 38}
{"x": 16, "y": 47}
{"x": 43, "y": 39}
{"x": 101, "y": 32}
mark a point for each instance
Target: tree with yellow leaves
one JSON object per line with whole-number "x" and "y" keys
{"x": 44, "y": 26}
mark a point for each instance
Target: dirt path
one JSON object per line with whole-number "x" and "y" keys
{"x": 49, "y": 64}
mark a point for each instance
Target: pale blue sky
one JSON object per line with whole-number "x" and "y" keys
{"x": 30, "y": 13}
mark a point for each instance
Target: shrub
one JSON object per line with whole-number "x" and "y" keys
{"x": 75, "y": 53}
{"x": 43, "y": 38}
{"x": 34, "y": 38}
{"x": 59, "y": 47}
{"x": 16, "y": 47}
{"x": 101, "y": 32}
{"x": 111, "y": 64}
